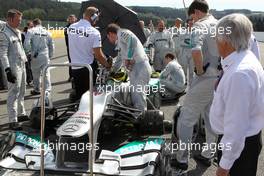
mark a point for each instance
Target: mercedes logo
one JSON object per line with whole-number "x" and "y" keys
{"x": 70, "y": 128}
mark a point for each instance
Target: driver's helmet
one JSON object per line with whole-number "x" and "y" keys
{"x": 155, "y": 75}
{"x": 120, "y": 76}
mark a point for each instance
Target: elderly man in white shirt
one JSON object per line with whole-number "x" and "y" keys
{"x": 237, "y": 113}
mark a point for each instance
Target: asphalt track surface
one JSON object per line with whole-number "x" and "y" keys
{"x": 60, "y": 93}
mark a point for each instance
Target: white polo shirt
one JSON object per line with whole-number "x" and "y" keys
{"x": 83, "y": 37}
{"x": 237, "y": 109}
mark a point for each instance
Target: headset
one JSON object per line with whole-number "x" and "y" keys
{"x": 95, "y": 16}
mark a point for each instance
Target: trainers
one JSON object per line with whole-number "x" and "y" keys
{"x": 203, "y": 160}
{"x": 33, "y": 92}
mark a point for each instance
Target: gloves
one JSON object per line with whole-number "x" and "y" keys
{"x": 129, "y": 64}
{"x": 110, "y": 60}
{"x": 10, "y": 77}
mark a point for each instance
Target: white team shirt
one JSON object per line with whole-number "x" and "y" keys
{"x": 237, "y": 110}
{"x": 83, "y": 37}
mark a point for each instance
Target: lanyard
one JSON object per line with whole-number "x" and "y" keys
{"x": 219, "y": 79}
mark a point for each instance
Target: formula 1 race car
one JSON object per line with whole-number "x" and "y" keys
{"x": 122, "y": 140}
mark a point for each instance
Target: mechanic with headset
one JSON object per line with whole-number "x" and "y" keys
{"x": 85, "y": 48}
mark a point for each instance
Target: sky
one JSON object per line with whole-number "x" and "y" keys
{"x": 254, "y": 5}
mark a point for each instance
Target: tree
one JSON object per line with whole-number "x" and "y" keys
{"x": 34, "y": 13}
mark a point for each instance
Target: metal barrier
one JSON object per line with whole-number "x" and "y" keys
{"x": 42, "y": 128}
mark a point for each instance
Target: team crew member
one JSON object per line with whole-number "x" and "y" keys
{"x": 132, "y": 53}
{"x": 84, "y": 46}
{"x": 176, "y": 33}
{"x": 172, "y": 77}
{"x": 145, "y": 30}
{"x": 40, "y": 45}
{"x": 237, "y": 113}
{"x": 3, "y": 81}
{"x": 161, "y": 41}
{"x": 29, "y": 78}
{"x": 151, "y": 26}
{"x": 13, "y": 58}
{"x": 254, "y": 46}
{"x": 200, "y": 94}
{"x": 71, "y": 19}
{"x": 185, "y": 54}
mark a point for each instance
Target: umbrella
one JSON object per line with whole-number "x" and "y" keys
{"x": 112, "y": 12}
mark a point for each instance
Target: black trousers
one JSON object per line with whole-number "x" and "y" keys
{"x": 69, "y": 59}
{"x": 29, "y": 77}
{"x": 246, "y": 164}
{"x": 81, "y": 79}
